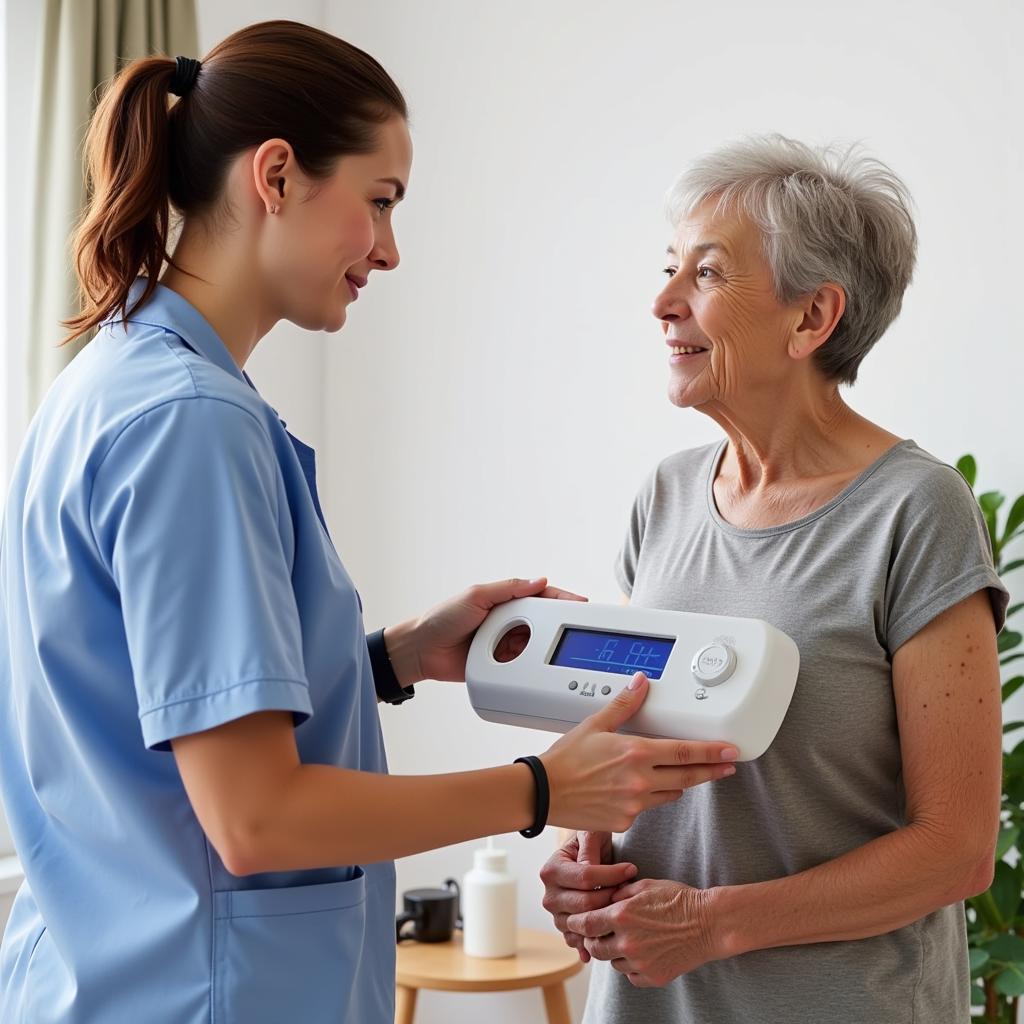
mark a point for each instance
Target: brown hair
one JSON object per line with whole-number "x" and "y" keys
{"x": 274, "y": 79}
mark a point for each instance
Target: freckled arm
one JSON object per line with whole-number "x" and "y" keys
{"x": 946, "y": 685}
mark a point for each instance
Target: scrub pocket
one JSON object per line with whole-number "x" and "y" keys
{"x": 287, "y": 955}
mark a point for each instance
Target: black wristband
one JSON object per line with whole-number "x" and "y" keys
{"x": 540, "y": 779}
{"x": 385, "y": 682}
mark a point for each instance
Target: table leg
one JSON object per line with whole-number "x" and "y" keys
{"x": 556, "y": 1004}
{"x": 405, "y": 1004}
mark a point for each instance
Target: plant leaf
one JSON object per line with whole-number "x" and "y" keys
{"x": 1008, "y": 948}
{"x": 990, "y": 502}
{"x": 1011, "y": 981}
{"x": 985, "y": 907}
{"x": 977, "y": 995}
{"x": 1016, "y": 564}
{"x": 1007, "y": 838}
{"x": 1008, "y": 639}
{"x": 1013, "y": 782}
{"x": 1006, "y": 891}
{"x": 1012, "y": 727}
{"x": 1014, "y": 519}
{"x": 1011, "y": 657}
{"x": 968, "y": 468}
{"x": 1011, "y": 686}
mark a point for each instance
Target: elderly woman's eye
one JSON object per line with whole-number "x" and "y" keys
{"x": 671, "y": 271}
{"x": 705, "y": 272}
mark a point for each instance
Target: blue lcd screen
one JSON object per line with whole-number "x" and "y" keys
{"x": 612, "y": 652}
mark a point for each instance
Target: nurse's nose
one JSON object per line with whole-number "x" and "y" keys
{"x": 384, "y": 255}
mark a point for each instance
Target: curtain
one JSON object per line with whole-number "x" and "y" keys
{"x": 84, "y": 43}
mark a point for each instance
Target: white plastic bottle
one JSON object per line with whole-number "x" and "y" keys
{"x": 489, "y": 905}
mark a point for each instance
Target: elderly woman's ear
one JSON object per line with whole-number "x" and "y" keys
{"x": 821, "y": 313}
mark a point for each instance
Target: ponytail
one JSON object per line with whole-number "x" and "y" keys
{"x": 123, "y": 232}
{"x": 146, "y": 156}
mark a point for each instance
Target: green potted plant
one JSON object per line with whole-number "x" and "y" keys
{"x": 995, "y": 919}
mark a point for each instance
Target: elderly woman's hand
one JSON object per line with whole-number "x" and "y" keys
{"x": 577, "y": 879}
{"x": 653, "y": 931}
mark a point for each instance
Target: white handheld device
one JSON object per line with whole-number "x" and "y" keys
{"x": 712, "y": 677}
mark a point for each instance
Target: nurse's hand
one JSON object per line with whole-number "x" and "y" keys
{"x": 436, "y": 645}
{"x": 601, "y": 781}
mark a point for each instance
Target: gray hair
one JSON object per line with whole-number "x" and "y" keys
{"x": 825, "y": 214}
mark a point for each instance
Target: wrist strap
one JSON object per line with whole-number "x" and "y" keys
{"x": 385, "y": 682}
{"x": 540, "y": 779}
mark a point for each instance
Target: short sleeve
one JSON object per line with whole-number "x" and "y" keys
{"x": 189, "y": 512}
{"x": 941, "y": 555}
{"x": 629, "y": 553}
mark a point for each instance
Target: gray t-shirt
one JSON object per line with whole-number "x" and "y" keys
{"x": 850, "y": 583}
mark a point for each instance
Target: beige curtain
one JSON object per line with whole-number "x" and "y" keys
{"x": 84, "y": 43}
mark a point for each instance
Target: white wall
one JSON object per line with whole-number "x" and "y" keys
{"x": 494, "y": 403}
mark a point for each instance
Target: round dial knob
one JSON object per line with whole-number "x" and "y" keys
{"x": 713, "y": 664}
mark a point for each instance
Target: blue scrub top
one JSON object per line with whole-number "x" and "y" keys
{"x": 164, "y": 569}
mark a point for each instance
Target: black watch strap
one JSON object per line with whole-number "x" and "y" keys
{"x": 385, "y": 682}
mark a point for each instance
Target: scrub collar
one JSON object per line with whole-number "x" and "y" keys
{"x": 167, "y": 309}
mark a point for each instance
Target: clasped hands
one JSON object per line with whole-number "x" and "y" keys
{"x": 650, "y": 930}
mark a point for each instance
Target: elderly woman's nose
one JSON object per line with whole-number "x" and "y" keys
{"x": 669, "y": 306}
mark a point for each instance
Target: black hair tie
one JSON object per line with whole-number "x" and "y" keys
{"x": 186, "y": 71}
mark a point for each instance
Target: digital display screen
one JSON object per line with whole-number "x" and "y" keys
{"x": 624, "y": 653}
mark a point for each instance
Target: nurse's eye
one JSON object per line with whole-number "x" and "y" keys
{"x": 383, "y": 204}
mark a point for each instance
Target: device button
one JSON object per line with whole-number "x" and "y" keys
{"x": 713, "y": 664}
{"x": 606, "y": 690}
{"x": 574, "y": 685}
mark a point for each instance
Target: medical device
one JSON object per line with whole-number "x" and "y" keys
{"x": 712, "y": 677}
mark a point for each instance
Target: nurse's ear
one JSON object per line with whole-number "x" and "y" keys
{"x": 273, "y": 166}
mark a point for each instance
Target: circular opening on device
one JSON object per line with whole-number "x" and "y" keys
{"x": 512, "y": 642}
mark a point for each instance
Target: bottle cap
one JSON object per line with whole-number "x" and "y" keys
{"x": 490, "y": 860}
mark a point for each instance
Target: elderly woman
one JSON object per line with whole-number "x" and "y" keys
{"x": 821, "y": 883}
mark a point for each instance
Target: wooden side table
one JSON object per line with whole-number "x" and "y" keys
{"x": 543, "y": 961}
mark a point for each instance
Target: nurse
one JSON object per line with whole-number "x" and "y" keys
{"x": 190, "y": 752}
